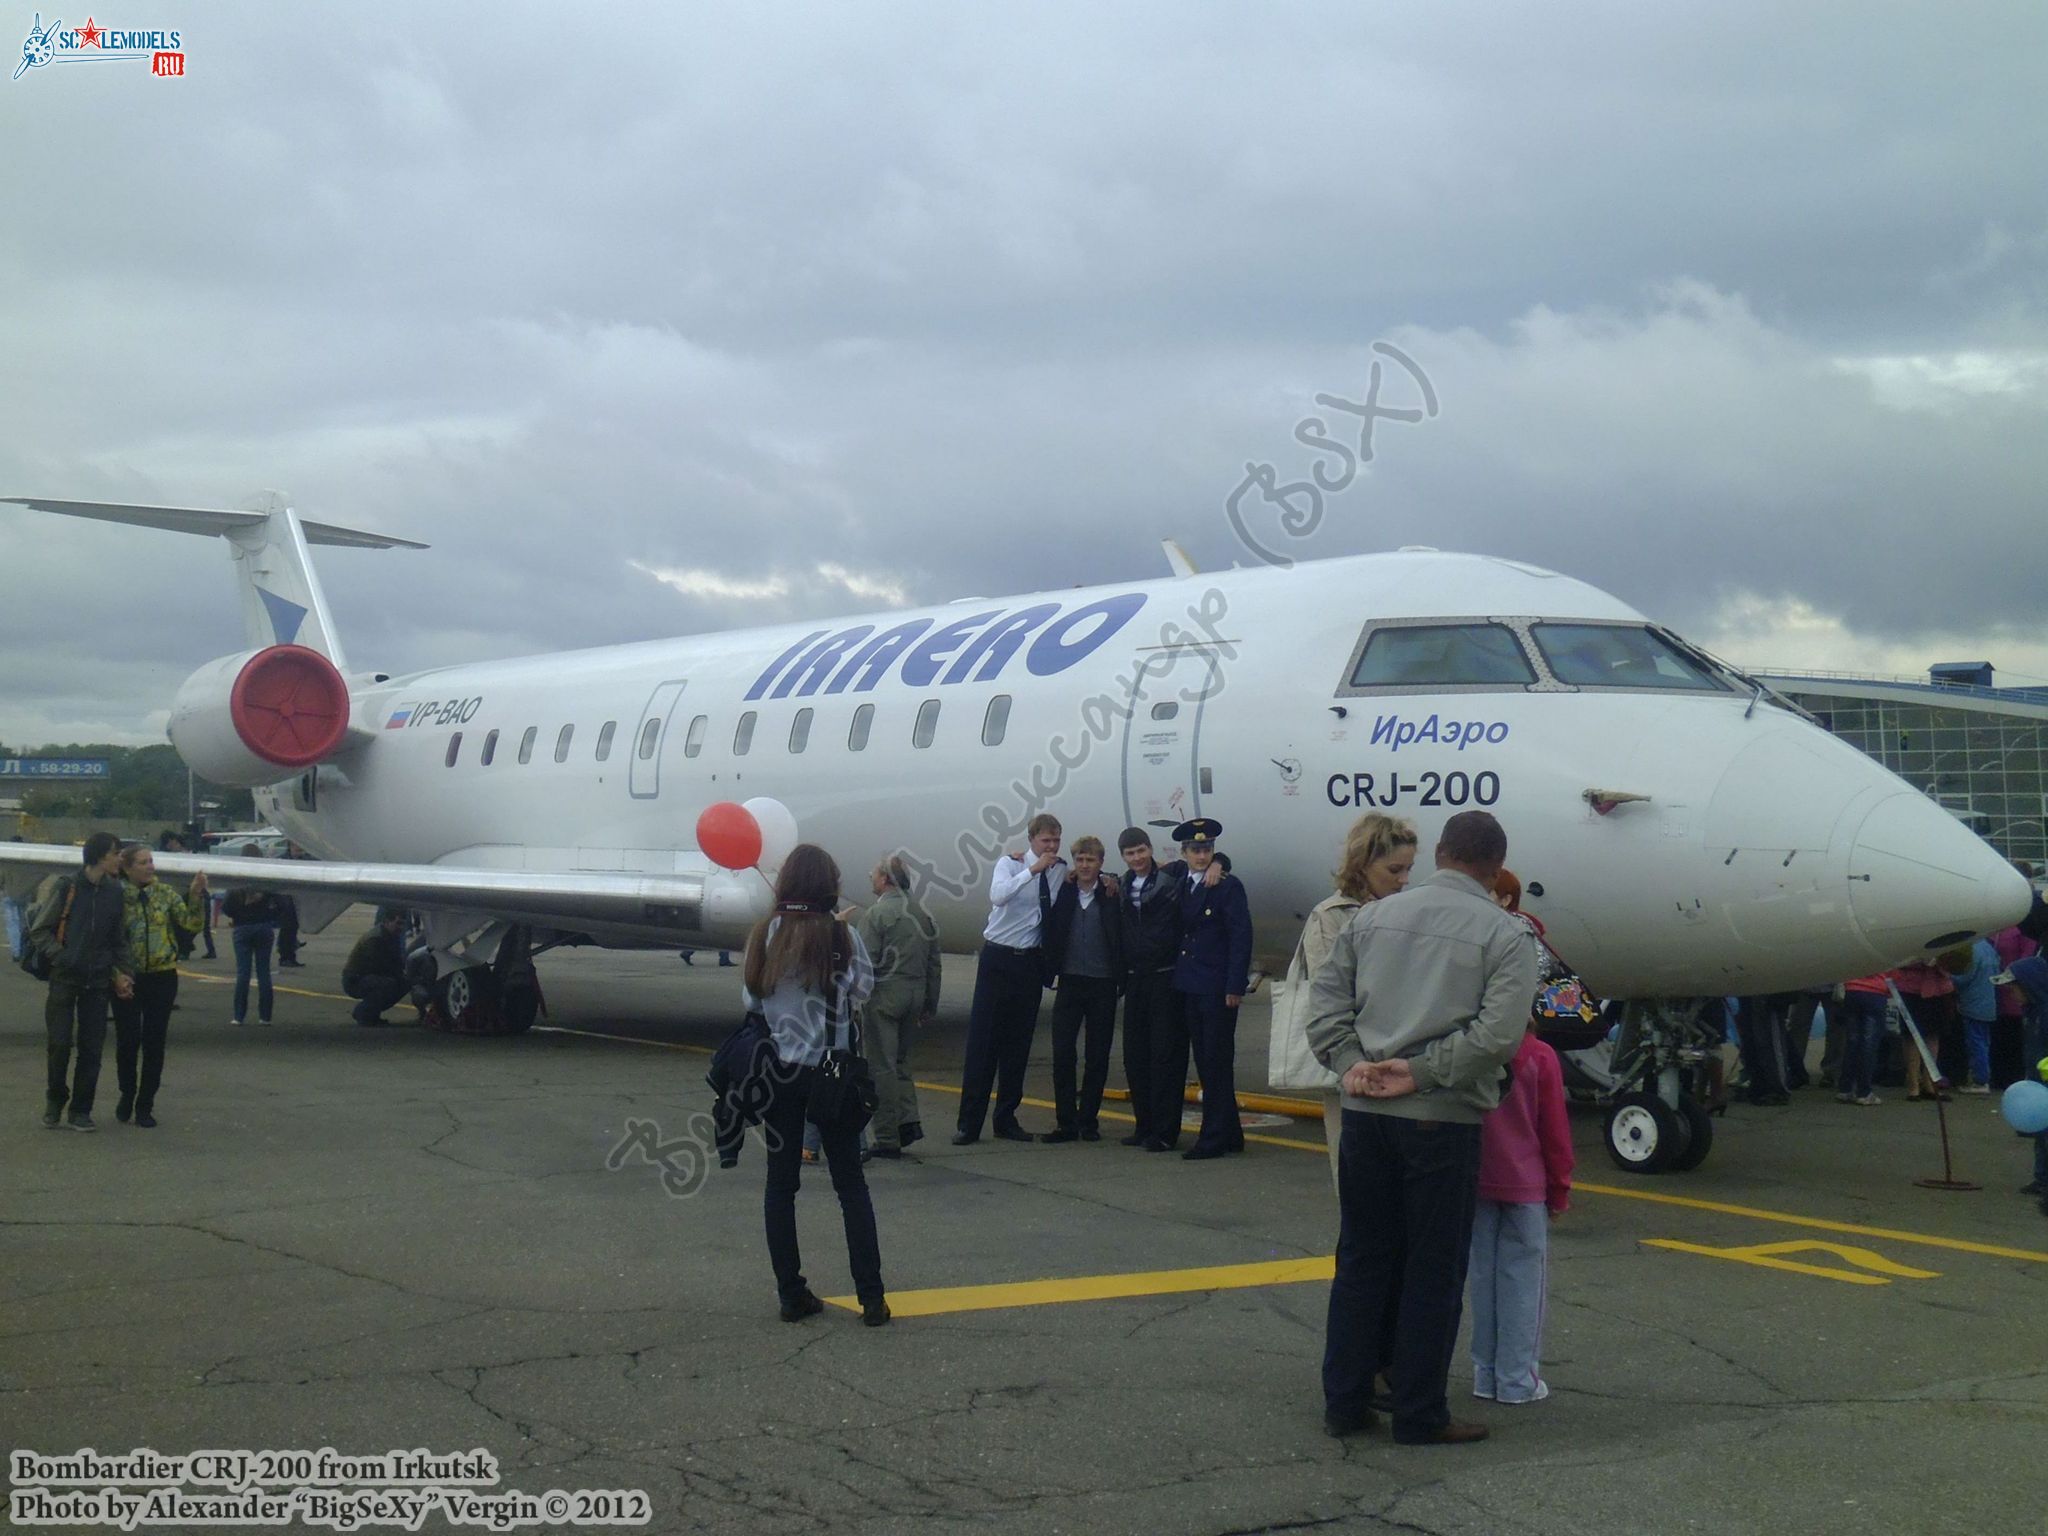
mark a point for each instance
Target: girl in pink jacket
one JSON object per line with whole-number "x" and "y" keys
{"x": 1525, "y": 1182}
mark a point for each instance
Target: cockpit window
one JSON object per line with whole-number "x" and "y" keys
{"x": 1618, "y": 656}
{"x": 1443, "y": 655}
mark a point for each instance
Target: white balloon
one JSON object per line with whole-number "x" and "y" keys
{"x": 778, "y": 831}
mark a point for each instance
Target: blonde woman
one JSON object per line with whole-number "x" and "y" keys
{"x": 1379, "y": 852}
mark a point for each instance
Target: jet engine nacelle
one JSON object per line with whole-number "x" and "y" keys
{"x": 259, "y": 717}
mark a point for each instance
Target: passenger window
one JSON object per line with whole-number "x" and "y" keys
{"x": 490, "y": 749}
{"x": 650, "y": 737}
{"x": 694, "y": 742}
{"x": 526, "y": 744}
{"x": 454, "y": 749}
{"x": 1443, "y": 655}
{"x": 562, "y": 743}
{"x": 857, "y": 733}
{"x": 1618, "y": 656}
{"x": 927, "y": 723}
{"x": 1165, "y": 711}
{"x": 604, "y": 740}
{"x": 743, "y": 735}
{"x": 996, "y": 721}
{"x": 800, "y": 730}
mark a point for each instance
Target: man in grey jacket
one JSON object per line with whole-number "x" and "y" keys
{"x": 1420, "y": 1006}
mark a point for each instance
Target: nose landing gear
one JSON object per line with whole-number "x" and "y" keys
{"x": 1657, "y": 1117}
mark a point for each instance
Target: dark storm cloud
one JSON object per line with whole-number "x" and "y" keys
{"x": 1741, "y": 306}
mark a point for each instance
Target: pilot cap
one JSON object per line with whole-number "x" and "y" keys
{"x": 1201, "y": 832}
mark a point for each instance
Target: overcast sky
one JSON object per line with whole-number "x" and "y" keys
{"x": 683, "y": 318}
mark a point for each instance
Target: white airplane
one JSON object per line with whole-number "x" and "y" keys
{"x": 1681, "y": 832}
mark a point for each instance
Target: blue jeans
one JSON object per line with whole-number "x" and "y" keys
{"x": 1866, "y": 1037}
{"x": 1510, "y": 1276}
{"x": 253, "y": 942}
{"x": 1977, "y": 1036}
{"x": 16, "y": 926}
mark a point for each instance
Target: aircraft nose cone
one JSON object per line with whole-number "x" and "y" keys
{"x": 1920, "y": 881}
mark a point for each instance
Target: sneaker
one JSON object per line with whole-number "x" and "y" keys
{"x": 1542, "y": 1391}
{"x": 53, "y": 1115}
{"x": 124, "y": 1109}
{"x": 1973, "y": 1088}
{"x": 79, "y": 1120}
{"x": 236, "y": 1022}
{"x": 1845, "y": 1098}
{"x": 144, "y": 1120}
{"x": 1868, "y": 1101}
{"x": 1485, "y": 1394}
{"x": 800, "y": 1306}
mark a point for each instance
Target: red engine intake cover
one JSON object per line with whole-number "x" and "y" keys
{"x": 290, "y": 706}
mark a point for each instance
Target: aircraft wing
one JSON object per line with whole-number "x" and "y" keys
{"x": 707, "y": 901}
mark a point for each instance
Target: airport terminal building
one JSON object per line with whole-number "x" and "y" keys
{"x": 1978, "y": 749}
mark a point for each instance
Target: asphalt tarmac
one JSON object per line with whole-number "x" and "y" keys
{"x": 393, "y": 1239}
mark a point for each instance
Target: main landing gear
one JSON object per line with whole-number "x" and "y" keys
{"x": 471, "y": 997}
{"x": 1665, "y": 1063}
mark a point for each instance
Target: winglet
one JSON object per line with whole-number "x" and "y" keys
{"x": 1177, "y": 558}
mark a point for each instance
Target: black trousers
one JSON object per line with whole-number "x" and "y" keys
{"x": 1082, "y": 1003}
{"x": 75, "y": 1015}
{"x": 1405, "y": 1194}
{"x": 782, "y": 1127}
{"x": 1212, "y": 1034}
{"x": 288, "y": 931}
{"x": 999, "y": 1030}
{"x": 1760, "y": 1027}
{"x": 1152, "y": 1021}
{"x": 1170, "y": 1049}
{"x": 373, "y": 994}
{"x": 141, "y": 1024}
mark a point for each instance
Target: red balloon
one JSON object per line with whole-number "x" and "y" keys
{"x": 729, "y": 835}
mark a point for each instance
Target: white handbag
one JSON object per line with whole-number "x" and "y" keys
{"x": 1289, "y": 1061}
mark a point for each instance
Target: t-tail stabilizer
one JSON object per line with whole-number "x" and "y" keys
{"x": 281, "y": 599}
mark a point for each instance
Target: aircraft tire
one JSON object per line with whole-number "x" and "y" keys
{"x": 1699, "y": 1127}
{"x": 521, "y": 1007}
{"x": 1644, "y": 1134}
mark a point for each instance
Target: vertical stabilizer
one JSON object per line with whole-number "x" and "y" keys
{"x": 281, "y": 599}
{"x": 282, "y": 603}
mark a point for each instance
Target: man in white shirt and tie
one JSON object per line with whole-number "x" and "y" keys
{"x": 1009, "y": 983}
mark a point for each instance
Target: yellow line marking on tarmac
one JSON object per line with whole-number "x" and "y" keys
{"x": 1770, "y": 1256}
{"x": 1041, "y": 1293}
{"x": 1722, "y": 1208}
{"x": 1786, "y": 1218}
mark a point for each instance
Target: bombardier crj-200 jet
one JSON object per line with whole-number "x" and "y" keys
{"x": 1681, "y": 832}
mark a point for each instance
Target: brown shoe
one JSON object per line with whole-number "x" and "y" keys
{"x": 1453, "y": 1433}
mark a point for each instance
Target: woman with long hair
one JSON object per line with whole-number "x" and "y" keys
{"x": 1379, "y": 853}
{"x": 806, "y": 972}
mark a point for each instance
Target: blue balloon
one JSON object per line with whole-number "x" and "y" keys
{"x": 2025, "y": 1107}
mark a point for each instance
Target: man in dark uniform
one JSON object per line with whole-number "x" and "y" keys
{"x": 1211, "y": 976}
{"x": 1155, "y": 1030}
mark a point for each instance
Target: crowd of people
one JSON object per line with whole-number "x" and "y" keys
{"x": 1421, "y": 1006}
{"x": 1445, "y": 1111}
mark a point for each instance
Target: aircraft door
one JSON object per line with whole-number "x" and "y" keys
{"x": 1162, "y": 772}
{"x": 644, "y": 777}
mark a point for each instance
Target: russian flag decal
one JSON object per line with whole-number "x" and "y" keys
{"x": 397, "y": 721}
